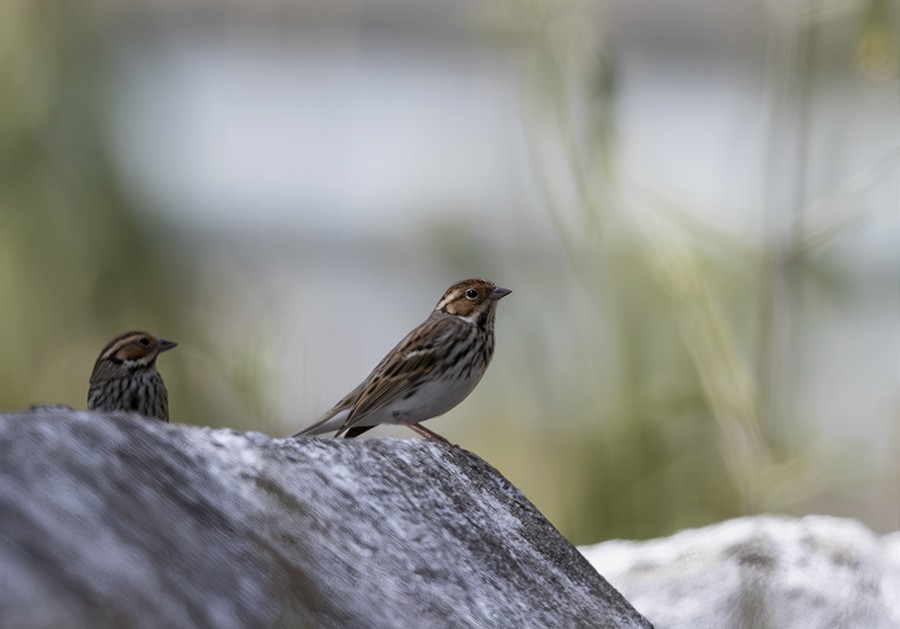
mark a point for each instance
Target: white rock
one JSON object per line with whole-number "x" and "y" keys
{"x": 760, "y": 572}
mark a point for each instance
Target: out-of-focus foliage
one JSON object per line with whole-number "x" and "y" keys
{"x": 696, "y": 427}
{"x": 647, "y": 367}
{"x": 79, "y": 263}
{"x": 79, "y": 260}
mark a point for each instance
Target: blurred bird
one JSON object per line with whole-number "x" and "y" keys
{"x": 434, "y": 368}
{"x": 125, "y": 376}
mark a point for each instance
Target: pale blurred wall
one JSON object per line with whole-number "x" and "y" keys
{"x": 694, "y": 203}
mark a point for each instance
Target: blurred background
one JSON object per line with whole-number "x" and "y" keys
{"x": 696, "y": 204}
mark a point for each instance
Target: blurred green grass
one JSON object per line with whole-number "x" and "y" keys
{"x": 661, "y": 418}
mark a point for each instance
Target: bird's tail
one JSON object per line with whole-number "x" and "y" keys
{"x": 330, "y": 422}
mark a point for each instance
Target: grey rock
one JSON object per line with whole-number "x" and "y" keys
{"x": 118, "y": 521}
{"x": 761, "y": 572}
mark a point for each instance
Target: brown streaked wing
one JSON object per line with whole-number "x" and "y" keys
{"x": 105, "y": 370}
{"x": 403, "y": 367}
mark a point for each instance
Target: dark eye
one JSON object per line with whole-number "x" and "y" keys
{"x": 144, "y": 341}
{"x": 472, "y": 293}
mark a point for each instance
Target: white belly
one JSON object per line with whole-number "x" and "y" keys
{"x": 432, "y": 399}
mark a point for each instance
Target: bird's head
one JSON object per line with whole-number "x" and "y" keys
{"x": 471, "y": 298}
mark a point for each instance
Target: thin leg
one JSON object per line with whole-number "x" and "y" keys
{"x": 425, "y": 432}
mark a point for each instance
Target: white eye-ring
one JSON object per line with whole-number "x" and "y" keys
{"x": 472, "y": 293}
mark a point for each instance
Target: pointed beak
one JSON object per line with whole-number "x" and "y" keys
{"x": 165, "y": 345}
{"x": 499, "y": 293}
